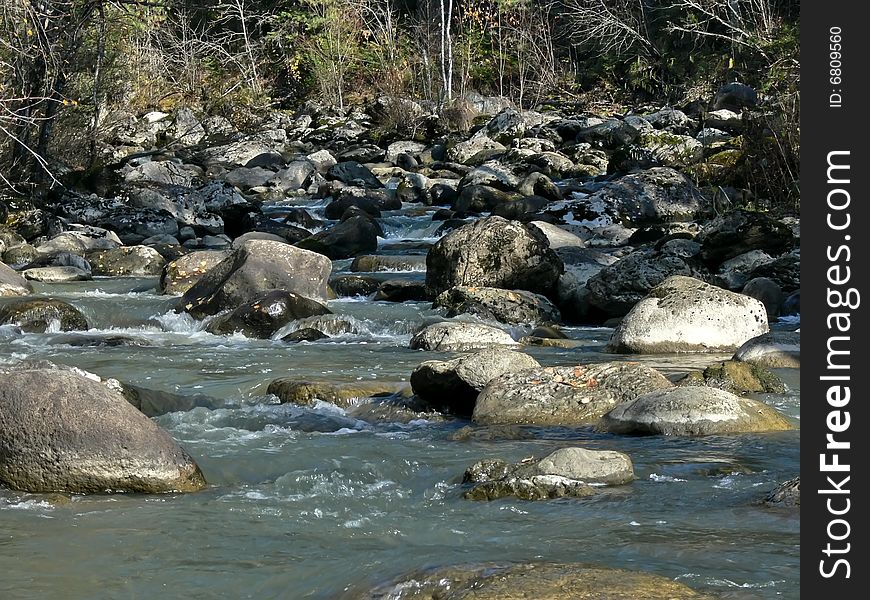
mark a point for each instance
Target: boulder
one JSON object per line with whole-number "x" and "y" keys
{"x": 735, "y": 96}
{"x": 402, "y": 290}
{"x": 307, "y": 393}
{"x": 611, "y": 134}
{"x": 179, "y": 275}
{"x": 403, "y": 147}
{"x": 521, "y": 208}
{"x": 615, "y": 289}
{"x": 353, "y": 173}
{"x": 374, "y": 263}
{"x": 357, "y": 235}
{"x": 19, "y": 257}
{"x": 63, "y": 432}
{"x": 482, "y": 198}
{"x": 255, "y": 268}
{"x": 454, "y": 384}
{"x": 493, "y": 174}
{"x": 785, "y": 495}
{"x": 13, "y": 284}
{"x": 565, "y": 472}
{"x": 308, "y": 334}
{"x": 505, "y": 127}
{"x": 683, "y": 314}
{"x": 335, "y": 209}
{"x": 56, "y": 274}
{"x": 576, "y": 395}
{"x": 265, "y": 315}
{"x": 457, "y": 336}
{"x": 784, "y": 271}
{"x": 671, "y": 149}
{"x": 506, "y": 306}
{"x": 767, "y": 292}
{"x": 132, "y": 225}
{"x": 741, "y": 231}
{"x": 164, "y": 172}
{"x": 558, "y": 237}
{"x": 734, "y": 272}
{"x": 40, "y": 315}
{"x": 692, "y": 411}
{"x": 493, "y": 252}
{"x": 777, "y": 349}
{"x": 354, "y": 285}
{"x": 541, "y": 581}
{"x": 736, "y": 377}
{"x": 127, "y": 261}
{"x": 465, "y": 151}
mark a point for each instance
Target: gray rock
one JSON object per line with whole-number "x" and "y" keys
{"x": 740, "y": 231}
{"x": 777, "y": 349}
{"x": 482, "y": 198}
{"x": 355, "y": 236}
{"x": 39, "y": 315}
{"x": 683, "y": 314}
{"x": 179, "y": 275}
{"x": 465, "y": 151}
{"x": 784, "y": 271}
{"x": 691, "y": 411}
{"x": 734, "y": 272}
{"x": 736, "y": 377}
{"x": 506, "y": 306}
{"x": 558, "y": 237}
{"x": 63, "y": 432}
{"x": 671, "y": 149}
{"x": 13, "y": 284}
{"x": 767, "y": 292}
{"x": 296, "y": 175}
{"x": 127, "y": 261}
{"x": 493, "y": 252}
{"x": 246, "y": 178}
{"x": 56, "y": 274}
{"x": 506, "y": 126}
{"x": 166, "y": 172}
{"x": 403, "y": 147}
{"x": 785, "y": 495}
{"x": 262, "y": 317}
{"x": 576, "y": 395}
{"x": 460, "y": 337}
{"x": 255, "y": 268}
{"x": 354, "y": 285}
{"x": 724, "y": 119}
{"x": 353, "y": 173}
{"x": 401, "y": 290}
{"x": 493, "y": 174}
{"x": 186, "y": 128}
{"x": 455, "y": 384}
{"x": 388, "y": 262}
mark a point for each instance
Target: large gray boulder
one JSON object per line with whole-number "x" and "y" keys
{"x": 465, "y": 151}
{"x": 576, "y": 395}
{"x": 179, "y": 275}
{"x": 13, "y": 284}
{"x": 777, "y": 349}
{"x": 253, "y": 269}
{"x": 565, "y": 472}
{"x": 683, "y": 314}
{"x": 265, "y": 315}
{"x": 40, "y": 314}
{"x": 690, "y": 411}
{"x": 493, "y": 252}
{"x": 456, "y": 336}
{"x": 63, "y": 432}
{"x": 454, "y": 384}
{"x": 357, "y": 235}
{"x": 506, "y": 306}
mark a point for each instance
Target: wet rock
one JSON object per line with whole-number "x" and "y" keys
{"x": 615, "y": 289}
{"x": 127, "y": 261}
{"x": 377, "y": 263}
{"x": 179, "y": 275}
{"x": 683, "y": 314}
{"x": 56, "y": 274}
{"x": 785, "y": 495}
{"x": 335, "y": 209}
{"x": 402, "y": 290}
{"x": 692, "y": 411}
{"x": 307, "y": 393}
{"x": 354, "y": 285}
{"x": 493, "y": 252}
{"x": 255, "y": 268}
{"x": 41, "y": 314}
{"x": 262, "y": 317}
{"x": 506, "y": 306}
{"x": 453, "y": 385}
{"x": 736, "y": 377}
{"x": 13, "y": 284}
{"x": 576, "y": 395}
{"x": 308, "y": 334}
{"x": 153, "y": 403}
{"x": 357, "y": 235}
{"x": 741, "y": 231}
{"x": 565, "y": 472}
{"x": 457, "y": 336}
{"x": 82, "y": 437}
{"x": 541, "y": 581}
{"x": 767, "y": 292}
{"x": 777, "y": 349}
{"x": 332, "y": 325}
{"x": 353, "y": 173}
{"x": 482, "y": 198}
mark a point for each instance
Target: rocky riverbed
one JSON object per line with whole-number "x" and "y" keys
{"x": 284, "y": 362}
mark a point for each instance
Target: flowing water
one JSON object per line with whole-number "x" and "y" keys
{"x": 311, "y": 502}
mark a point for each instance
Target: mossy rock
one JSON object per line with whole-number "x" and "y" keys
{"x": 737, "y": 377}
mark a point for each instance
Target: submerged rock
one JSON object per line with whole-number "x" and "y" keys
{"x": 538, "y": 581}
{"x": 785, "y": 495}
{"x": 692, "y": 411}
{"x": 576, "y": 395}
{"x": 454, "y": 384}
{"x": 307, "y": 393}
{"x": 63, "y": 432}
{"x": 683, "y": 314}
{"x": 39, "y": 315}
{"x": 565, "y": 472}
{"x": 457, "y": 336}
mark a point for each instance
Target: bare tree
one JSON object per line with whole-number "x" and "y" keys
{"x": 611, "y": 26}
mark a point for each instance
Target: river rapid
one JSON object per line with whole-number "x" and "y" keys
{"x": 314, "y": 503}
